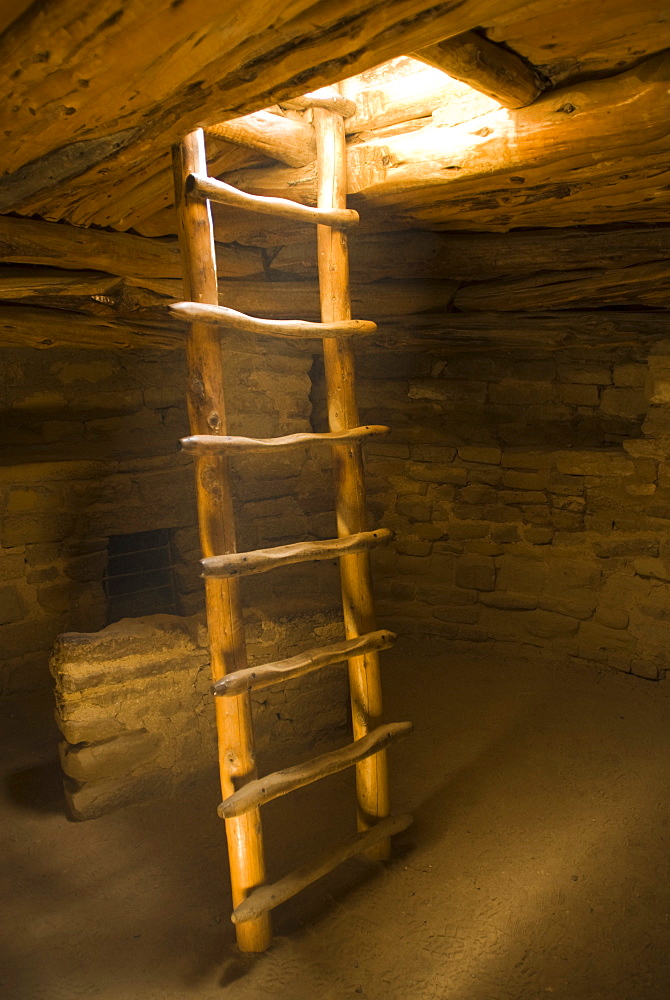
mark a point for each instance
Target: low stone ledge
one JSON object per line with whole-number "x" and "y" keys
{"x": 134, "y": 706}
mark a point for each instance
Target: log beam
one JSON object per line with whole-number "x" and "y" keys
{"x": 594, "y": 153}
{"x": 22, "y": 326}
{"x": 29, "y": 241}
{"x": 281, "y": 138}
{"x": 486, "y": 67}
{"x": 187, "y": 62}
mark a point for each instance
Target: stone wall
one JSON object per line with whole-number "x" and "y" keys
{"x": 135, "y": 710}
{"x": 530, "y": 496}
{"x": 90, "y": 450}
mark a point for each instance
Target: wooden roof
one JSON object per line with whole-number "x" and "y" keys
{"x": 95, "y": 93}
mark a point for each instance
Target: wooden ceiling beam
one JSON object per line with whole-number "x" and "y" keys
{"x": 93, "y": 88}
{"x": 540, "y": 165}
{"x": 283, "y": 139}
{"x": 43, "y": 328}
{"x": 489, "y": 68}
{"x": 30, "y": 241}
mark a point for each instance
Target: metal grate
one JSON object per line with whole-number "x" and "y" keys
{"x": 139, "y": 579}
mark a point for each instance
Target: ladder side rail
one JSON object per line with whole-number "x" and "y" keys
{"x": 217, "y": 534}
{"x": 355, "y": 571}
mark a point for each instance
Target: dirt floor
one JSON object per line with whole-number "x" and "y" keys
{"x": 537, "y": 865}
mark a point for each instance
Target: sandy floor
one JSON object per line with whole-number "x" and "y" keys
{"x": 537, "y": 866}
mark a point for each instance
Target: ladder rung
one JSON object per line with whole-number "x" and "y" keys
{"x": 259, "y": 901}
{"x": 253, "y": 678}
{"x": 262, "y": 790}
{"x": 225, "y": 194}
{"x": 234, "y": 320}
{"x": 263, "y": 560}
{"x": 212, "y": 444}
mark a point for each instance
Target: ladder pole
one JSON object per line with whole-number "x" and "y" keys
{"x": 237, "y": 762}
{"x": 355, "y": 571}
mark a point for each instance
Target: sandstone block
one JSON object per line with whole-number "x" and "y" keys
{"x": 525, "y": 480}
{"x": 401, "y": 590}
{"x": 504, "y": 533}
{"x": 20, "y": 638}
{"x": 476, "y": 573}
{"x": 584, "y": 373}
{"x": 652, "y": 569}
{"x": 598, "y": 639}
{"x": 465, "y": 615}
{"x": 416, "y": 508}
{"x": 432, "y": 453}
{"x": 580, "y": 395}
{"x": 445, "y": 390}
{"x": 487, "y": 455}
{"x": 488, "y": 475}
{"x": 642, "y": 668}
{"x": 625, "y": 402}
{"x": 436, "y": 472}
{"x": 630, "y": 374}
{"x": 413, "y": 565}
{"x": 432, "y": 532}
{"x": 467, "y": 529}
{"x": 513, "y": 393}
{"x": 409, "y": 546}
{"x": 12, "y": 606}
{"x": 509, "y": 602}
{"x": 527, "y": 459}
{"x": 577, "y": 605}
{"x": 612, "y": 616}
{"x": 522, "y": 497}
{"x": 475, "y": 494}
{"x": 538, "y": 535}
{"x": 446, "y": 595}
{"x": 12, "y": 566}
{"x": 548, "y": 624}
{"x": 519, "y": 575}
{"x": 387, "y": 449}
{"x": 626, "y": 547}
{"x": 115, "y": 758}
{"x": 31, "y": 528}
{"x": 594, "y": 463}
{"x": 566, "y": 485}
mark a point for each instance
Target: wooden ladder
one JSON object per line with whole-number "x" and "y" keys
{"x": 222, "y": 565}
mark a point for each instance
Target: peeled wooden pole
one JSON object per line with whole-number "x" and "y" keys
{"x": 281, "y": 138}
{"x": 257, "y": 793}
{"x": 355, "y": 574}
{"x": 264, "y": 560}
{"x": 489, "y": 68}
{"x": 228, "y": 194}
{"x": 269, "y": 896}
{"x": 213, "y": 444}
{"x": 207, "y": 415}
{"x": 267, "y": 674}
{"x": 234, "y": 320}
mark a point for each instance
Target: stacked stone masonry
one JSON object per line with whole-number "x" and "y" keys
{"x": 529, "y": 493}
{"x": 530, "y": 497}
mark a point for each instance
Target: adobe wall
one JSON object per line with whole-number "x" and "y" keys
{"x": 90, "y": 450}
{"x": 530, "y": 496}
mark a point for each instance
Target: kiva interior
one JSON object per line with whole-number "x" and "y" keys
{"x": 335, "y": 499}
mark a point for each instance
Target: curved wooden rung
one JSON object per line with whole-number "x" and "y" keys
{"x": 253, "y": 678}
{"x": 261, "y": 900}
{"x": 225, "y": 194}
{"x": 262, "y": 790}
{"x": 212, "y": 444}
{"x": 263, "y": 560}
{"x": 234, "y": 320}
{"x": 331, "y": 102}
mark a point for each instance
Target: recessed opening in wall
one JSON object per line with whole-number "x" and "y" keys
{"x": 139, "y": 579}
